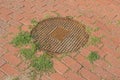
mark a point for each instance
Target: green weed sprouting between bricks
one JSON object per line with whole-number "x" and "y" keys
{"x": 93, "y": 56}
{"x": 42, "y": 63}
{"x": 21, "y": 39}
{"x": 36, "y": 46}
{"x": 47, "y": 16}
{"x": 33, "y": 75}
{"x": 90, "y": 30}
{"x": 118, "y": 22}
{"x": 28, "y": 53}
{"x": 95, "y": 40}
{"x": 34, "y": 22}
{"x": 16, "y": 78}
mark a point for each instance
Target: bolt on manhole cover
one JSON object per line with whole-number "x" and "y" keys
{"x": 60, "y": 35}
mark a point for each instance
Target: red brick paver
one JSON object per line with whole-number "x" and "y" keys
{"x": 57, "y": 76}
{"x": 59, "y": 66}
{"x": 89, "y": 75}
{"x": 73, "y": 76}
{"x": 1, "y": 74}
{"x": 2, "y": 62}
{"x": 12, "y": 59}
{"x": 10, "y": 70}
{"x": 71, "y": 63}
{"x": 104, "y": 14}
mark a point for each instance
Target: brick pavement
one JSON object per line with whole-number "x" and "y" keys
{"x": 104, "y": 14}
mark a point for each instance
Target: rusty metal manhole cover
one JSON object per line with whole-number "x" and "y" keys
{"x": 60, "y": 35}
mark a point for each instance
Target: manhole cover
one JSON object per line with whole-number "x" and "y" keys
{"x": 60, "y": 35}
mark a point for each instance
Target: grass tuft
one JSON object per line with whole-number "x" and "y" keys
{"x": 43, "y": 63}
{"x": 47, "y": 16}
{"x": 90, "y": 30}
{"x": 93, "y": 56}
{"x": 28, "y": 48}
{"x": 36, "y": 46}
{"x": 34, "y": 22}
{"x": 33, "y": 75}
{"x": 21, "y": 39}
{"x": 95, "y": 40}
{"x": 27, "y": 53}
{"x": 16, "y": 78}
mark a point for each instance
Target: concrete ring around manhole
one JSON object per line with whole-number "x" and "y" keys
{"x": 60, "y": 35}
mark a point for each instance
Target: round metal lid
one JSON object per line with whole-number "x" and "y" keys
{"x": 60, "y": 35}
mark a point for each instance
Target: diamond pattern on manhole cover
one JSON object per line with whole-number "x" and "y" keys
{"x": 60, "y": 35}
